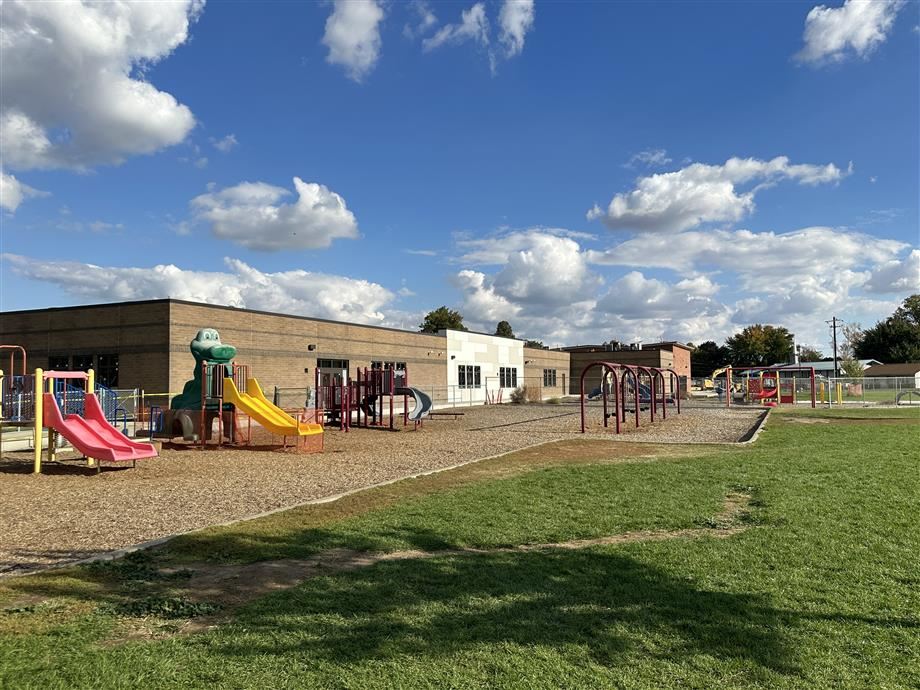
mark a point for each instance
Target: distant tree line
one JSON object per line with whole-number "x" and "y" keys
{"x": 893, "y": 340}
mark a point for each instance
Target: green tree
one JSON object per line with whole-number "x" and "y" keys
{"x": 760, "y": 345}
{"x": 807, "y": 353}
{"x": 849, "y": 365}
{"x": 909, "y": 310}
{"x": 441, "y": 318}
{"x": 706, "y": 357}
{"x": 503, "y": 329}
{"x": 897, "y": 338}
{"x": 535, "y": 343}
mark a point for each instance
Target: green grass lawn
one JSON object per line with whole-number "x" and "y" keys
{"x": 822, "y": 590}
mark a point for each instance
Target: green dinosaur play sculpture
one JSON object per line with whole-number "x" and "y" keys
{"x": 206, "y": 347}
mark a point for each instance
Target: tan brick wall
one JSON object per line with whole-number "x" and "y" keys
{"x": 675, "y": 358}
{"x": 275, "y": 346}
{"x": 138, "y": 333}
{"x": 538, "y": 359}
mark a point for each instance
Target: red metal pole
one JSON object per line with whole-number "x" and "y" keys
{"x": 582, "y": 399}
{"x": 618, "y": 402}
{"x": 604, "y": 393}
{"x": 635, "y": 373}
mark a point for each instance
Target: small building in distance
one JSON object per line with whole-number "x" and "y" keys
{"x": 906, "y": 370}
{"x": 666, "y": 355}
{"x": 826, "y": 367}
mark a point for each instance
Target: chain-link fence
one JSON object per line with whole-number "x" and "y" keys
{"x": 876, "y": 390}
{"x": 489, "y": 391}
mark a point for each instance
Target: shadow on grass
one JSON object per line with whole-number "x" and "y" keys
{"x": 605, "y": 604}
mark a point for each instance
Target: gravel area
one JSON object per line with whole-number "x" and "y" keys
{"x": 71, "y": 513}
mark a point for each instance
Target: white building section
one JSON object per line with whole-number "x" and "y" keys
{"x": 479, "y": 365}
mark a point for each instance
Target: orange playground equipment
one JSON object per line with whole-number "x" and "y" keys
{"x": 767, "y": 386}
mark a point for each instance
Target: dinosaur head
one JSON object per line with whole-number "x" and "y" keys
{"x": 207, "y": 347}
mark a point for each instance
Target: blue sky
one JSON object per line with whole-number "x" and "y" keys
{"x": 586, "y": 171}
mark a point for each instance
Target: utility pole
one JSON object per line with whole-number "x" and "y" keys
{"x": 834, "y": 325}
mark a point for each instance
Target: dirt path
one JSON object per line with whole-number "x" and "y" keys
{"x": 235, "y": 585}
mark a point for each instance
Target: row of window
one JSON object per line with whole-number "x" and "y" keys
{"x": 507, "y": 377}
{"x": 105, "y": 366}
{"x": 469, "y": 376}
{"x": 332, "y": 364}
{"x": 399, "y": 366}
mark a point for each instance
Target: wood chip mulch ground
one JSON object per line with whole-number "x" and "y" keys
{"x": 71, "y": 513}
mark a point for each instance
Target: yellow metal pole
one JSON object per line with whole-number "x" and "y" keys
{"x": 38, "y": 397}
{"x": 839, "y": 393}
{"x": 821, "y": 391}
{"x": 90, "y": 390}
{"x": 793, "y": 390}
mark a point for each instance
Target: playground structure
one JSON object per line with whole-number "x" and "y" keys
{"x": 47, "y": 400}
{"x": 625, "y": 381}
{"x": 368, "y": 400}
{"x": 223, "y": 390}
{"x": 766, "y": 385}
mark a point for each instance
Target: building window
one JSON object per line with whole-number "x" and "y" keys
{"x": 107, "y": 370}
{"x": 332, "y": 364}
{"x": 507, "y": 377}
{"x": 469, "y": 376}
{"x": 82, "y": 362}
{"x": 549, "y": 378}
{"x": 399, "y": 366}
{"x": 59, "y": 363}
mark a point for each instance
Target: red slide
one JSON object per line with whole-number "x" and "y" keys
{"x": 92, "y": 435}
{"x": 765, "y": 393}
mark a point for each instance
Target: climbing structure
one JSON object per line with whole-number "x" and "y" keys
{"x": 644, "y": 388}
{"x": 368, "y": 400}
{"x": 221, "y": 389}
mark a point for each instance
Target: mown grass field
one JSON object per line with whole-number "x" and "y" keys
{"x": 820, "y": 589}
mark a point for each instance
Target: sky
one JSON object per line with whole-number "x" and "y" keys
{"x": 586, "y": 171}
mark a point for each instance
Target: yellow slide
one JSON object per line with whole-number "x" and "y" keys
{"x": 254, "y": 403}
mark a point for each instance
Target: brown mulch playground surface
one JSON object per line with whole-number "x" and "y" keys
{"x": 70, "y": 513}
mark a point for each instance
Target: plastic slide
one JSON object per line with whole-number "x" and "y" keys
{"x": 92, "y": 434}
{"x": 254, "y": 403}
{"x": 765, "y": 393}
{"x": 423, "y": 403}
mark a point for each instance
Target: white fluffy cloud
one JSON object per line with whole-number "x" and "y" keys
{"x": 701, "y": 193}
{"x": 353, "y": 36}
{"x": 516, "y": 18}
{"x": 69, "y": 99}
{"x": 724, "y": 279}
{"x": 896, "y": 276}
{"x": 473, "y": 26}
{"x": 857, "y": 28}
{"x": 543, "y": 268}
{"x": 252, "y": 214}
{"x": 13, "y": 192}
{"x": 292, "y": 292}
{"x": 636, "y": 297}
{"x": 763, "y": 260}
